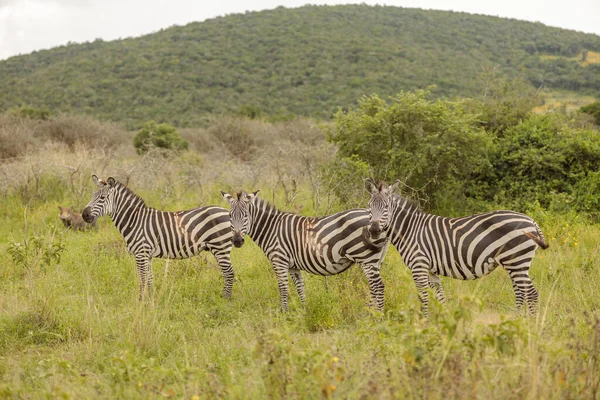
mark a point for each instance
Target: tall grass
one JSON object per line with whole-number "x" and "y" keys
{"x": 71, "y": 325}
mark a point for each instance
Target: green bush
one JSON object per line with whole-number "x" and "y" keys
{"x": 432, "y": 146}
{"x": 592, "y": 109}
{"x": 162, "y": 136}
{"x": 543, "y": 159}
{"x": 31, "y": 112}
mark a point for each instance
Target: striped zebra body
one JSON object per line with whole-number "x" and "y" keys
{"x": 293, "y": 243}
{"x": 151, "y": 233}
{"x": 462, "y": 248}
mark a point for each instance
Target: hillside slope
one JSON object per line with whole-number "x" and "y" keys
{"x": 304, "y": 61}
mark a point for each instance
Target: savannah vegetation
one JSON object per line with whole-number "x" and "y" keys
{"x": 71, "y": 325}
{"x": 306, "y": 61}
{"x": 183, "y": 113}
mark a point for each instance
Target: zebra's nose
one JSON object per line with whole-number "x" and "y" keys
{"x": 375, "y": 229}
{"x": 238, "y": 239}
{"x": 86, "y": 215}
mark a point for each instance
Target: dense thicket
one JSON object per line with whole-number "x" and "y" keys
{"x": 303, "y": 61}
{"x": 446, "y": 152}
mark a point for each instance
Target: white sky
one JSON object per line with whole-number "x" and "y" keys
{"x": 28, "y": 25}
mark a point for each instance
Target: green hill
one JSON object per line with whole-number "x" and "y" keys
{"x": 303, "y": 61}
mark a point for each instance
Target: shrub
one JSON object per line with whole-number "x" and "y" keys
{"x": 31, "y": 113}
{"x": 543, "y": 159}
{"x": 592, "y": 109}
{"x": 432, "y": 146}
{"x": 162, "y": 136}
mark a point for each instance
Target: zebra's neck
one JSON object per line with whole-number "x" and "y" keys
{"x": 405, "y": 216}
{"x": 127, "y": 208}
{"x": 264, "y": 217}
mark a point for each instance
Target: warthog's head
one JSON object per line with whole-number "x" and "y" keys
{"x": 66, "y": 213}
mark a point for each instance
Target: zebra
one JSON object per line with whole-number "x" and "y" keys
{"x": 152, "y": 233}
{"x": 462, "y": 248}
{"x": 319, "y": 245}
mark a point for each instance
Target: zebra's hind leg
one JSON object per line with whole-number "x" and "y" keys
{"x": 519, "y": 296}
{"x": 420, "y": 275}
{"x": 436, "y": 284}
{"x": 144, "y": 268}
{"x": 523, "y": 287}
{"x": 376, "y": 285}
{"x": 223, "y": 257}
{"x": 298, "y": 282}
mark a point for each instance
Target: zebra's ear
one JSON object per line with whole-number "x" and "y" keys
{"x": 394, "y": 187}
{"x": 371, "y": 186}
{"x": 227, "y": 196}
{"x": 251, "y": 196}
{"x": 111, "y": 181}
{"x": 97, "y": 181}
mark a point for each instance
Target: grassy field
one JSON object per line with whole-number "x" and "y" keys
{"x": 71, "y": 325}
{"x": 74, "y": 328}
{"x": 563, "y": 101}
{"x": 593, "y": 57}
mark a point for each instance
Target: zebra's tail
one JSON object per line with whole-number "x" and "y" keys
{"x": 371, "y": 245}
{"x": 538, "y": 238}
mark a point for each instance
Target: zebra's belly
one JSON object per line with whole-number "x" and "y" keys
{"x": 323, "y": 269}
{"x": 465, "y": 272}
{"x": 180, "y": 253}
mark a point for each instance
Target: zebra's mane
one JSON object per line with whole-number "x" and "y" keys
{"x": 130, "y": 192}
{"x": 409, "y": 204}
{"x": 269, "y": 208}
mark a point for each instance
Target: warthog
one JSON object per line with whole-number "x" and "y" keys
{"x": 73, "y": 220}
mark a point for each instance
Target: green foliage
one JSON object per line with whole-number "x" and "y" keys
{"x": 593, "y": 110}
{"x": 503, "y": 103}
{"x": 432, "y": 146}
{"x": 543, "y": 159}
{"x": 162, "y": 136}
{"x": 249, "y": 111}
{"x": 31, "y": 113}
{"x": 306, "y": 61}
{"x": 348, "y": 172}
{"x": 37, "y": 252}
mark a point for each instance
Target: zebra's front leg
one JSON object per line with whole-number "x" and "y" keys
{"x": 376, "y": 285}
{"x": 223, "y": 257}
{"x": 420, "y": 275}
{"x": 281, "y": 272}
{"x": 144, "y": 268}
{"x": 298, "y": 282}
{"x": 436, "y": 284}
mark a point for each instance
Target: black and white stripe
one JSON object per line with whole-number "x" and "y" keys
{"x": 462, "y": 248}
{"x": 294, "y": 243}
{"x": 152, "y": 233}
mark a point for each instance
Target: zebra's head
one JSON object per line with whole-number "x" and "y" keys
{"x": 239, "y": 214}
{"x": 102, "y": 200}
{"x": 379, "y": 205}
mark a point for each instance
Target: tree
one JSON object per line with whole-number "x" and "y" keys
{"x": 432, "y": 146}
{"x": 163, "y": 136}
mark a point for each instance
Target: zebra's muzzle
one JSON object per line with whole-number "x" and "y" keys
{"x": 87, "y": 215}
{"x": 375, "y": 229}
{"x": 238, "y": 239}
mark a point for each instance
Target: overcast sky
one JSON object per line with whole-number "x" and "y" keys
{"x": 28, "y": 25}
